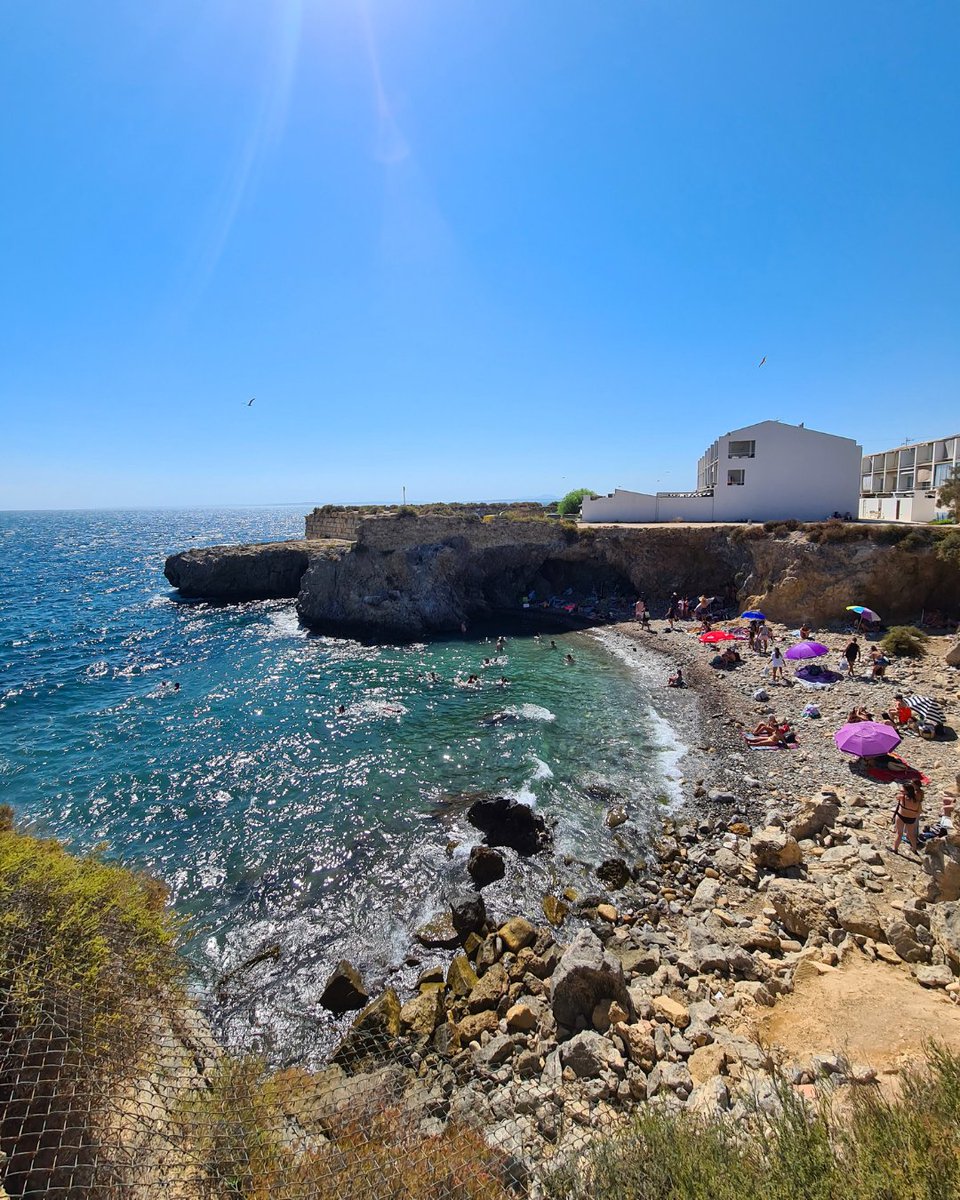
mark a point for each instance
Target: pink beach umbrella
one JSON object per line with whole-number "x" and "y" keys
{"x": 866, "y": 738}
{"x": 807, "y": 650}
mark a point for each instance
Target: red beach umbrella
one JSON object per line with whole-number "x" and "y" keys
{"x": 716, "y": 635}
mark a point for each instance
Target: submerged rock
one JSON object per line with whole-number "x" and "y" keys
{"x": 468, "y": 913}
{"x": 507, "y": 822}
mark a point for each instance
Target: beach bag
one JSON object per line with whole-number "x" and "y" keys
{"x": 810, "y": 710}
{"x": 760, "y": 694}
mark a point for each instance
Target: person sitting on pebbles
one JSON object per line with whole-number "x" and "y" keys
{"x": 677, "y": 680}
{"x": 858, "y": 714}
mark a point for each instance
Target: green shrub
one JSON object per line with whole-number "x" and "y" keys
{"x": 571, "y": 502}
{"x": 904, "y": 641}
{"x": 81, "y": 934}
{"x": 948, "y": 547}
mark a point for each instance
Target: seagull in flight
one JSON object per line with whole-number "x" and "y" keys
{"x": 759, "y": 364}
{"x": 252, "y": 398}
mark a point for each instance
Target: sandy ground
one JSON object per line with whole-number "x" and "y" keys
{"x": 869, "y": 1012}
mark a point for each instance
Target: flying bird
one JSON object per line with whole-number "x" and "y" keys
{"x": 759, "y": 364}
{"x": 250, "y": 401}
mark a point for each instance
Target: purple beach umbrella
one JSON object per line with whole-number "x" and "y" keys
{"x": 866, "y": 738}
{"x": 807, "y": 650}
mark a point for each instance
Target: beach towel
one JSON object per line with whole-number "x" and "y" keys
{"x": 824, "y": 678}
{"x": 885, "y": 775}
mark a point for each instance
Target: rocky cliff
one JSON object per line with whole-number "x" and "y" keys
{"x": 269, "y": 571}
{"x": 407, "y": 575}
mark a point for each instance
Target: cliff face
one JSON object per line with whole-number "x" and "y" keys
{"x": 271, "y": 571}
{"x": 405, "y": 576}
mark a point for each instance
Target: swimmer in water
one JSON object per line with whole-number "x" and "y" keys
{"x": 502, "y": 682}
{"x": 568, "y": 659}
{"x": 341, "y": 708}
{"x": 553, "y": 645}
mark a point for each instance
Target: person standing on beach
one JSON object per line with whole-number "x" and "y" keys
{"x": 776, "y": 664}
{"x": 851, "y": 654}
{"x": 906, "y": 815}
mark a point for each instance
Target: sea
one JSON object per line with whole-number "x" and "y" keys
{"x": 303, "y": 797}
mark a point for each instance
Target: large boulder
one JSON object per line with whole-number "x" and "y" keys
{"x": 585, "y": 975}
{"x": 912, "y": 944}
{"x": 941, "y": 865}
{"x": 813, "y": 817}
{"x": 485, "y": 865}
{"x": 614, "y": 874}
{"x": 857, "y": 914}
{"x": 774, "y": 849}
{"x": 945, "y": 927}
{"x": 801, "y": 908}
{"x": 952, "y": 657}
{"x": 507, "y": 822}
{"x": 344, "y": 991}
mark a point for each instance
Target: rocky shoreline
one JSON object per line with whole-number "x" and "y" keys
{"x": 774, "y": 880}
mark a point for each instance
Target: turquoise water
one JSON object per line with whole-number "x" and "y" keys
{"x": 271, "y": 816}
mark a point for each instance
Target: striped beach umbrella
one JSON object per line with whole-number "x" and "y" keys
{"x": 927, "y": 709}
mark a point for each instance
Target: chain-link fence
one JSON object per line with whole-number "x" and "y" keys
{"x": 112, "y": 1084}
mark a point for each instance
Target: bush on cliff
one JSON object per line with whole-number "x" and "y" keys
{"x": 905, "y": 641}
{"x": 83, "y": 935}
{"x": 949, "y": 548}
{"x": 869, "y": 1148}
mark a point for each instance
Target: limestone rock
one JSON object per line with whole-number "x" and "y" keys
{"x": 639, "y": 1042}
{"x": 906, "y": 941}
{"x": 587, "y": 1054}
{"x": 507, "y": 822}
{"x": 271, "y": 571}
{"x": 555, "y": 910}
{"x": 705, "y": 1062}
{"x": 858, "y": 915}
{"x": 423, "y": 1013}
{"x": 934, "y": 977}
{"x": 344, "y": 990}
{"x": 521, "y": 1017}
{"x": 672, "y": 1010}
{"x": 517, "y": 933}
{"x": 607, "y": 1013}
{"x": 705, "y": 897}
{"x": 461, "y": 977}
{"x": 585, "y": 975}
{"x": 488, "y": 989}
{"x": 801, "y": 907}
{"x": 945, "y": 927}
{"x": 813, "y": 817}
{"x": 485, "y": 865}
{"x": 470, "y": 1028}
{"x": 670, "y": 1077}
{"x": 468, "y": 913}
{"x": 774, "y": 849}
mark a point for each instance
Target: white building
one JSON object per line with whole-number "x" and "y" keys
{"x": 763, "y": 472}
{"x": 902, "y": 484}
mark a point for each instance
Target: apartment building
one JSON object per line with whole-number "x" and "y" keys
{"x": 901, "y": 484}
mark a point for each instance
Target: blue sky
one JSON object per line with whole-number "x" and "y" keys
{"x": 479, "y": 250}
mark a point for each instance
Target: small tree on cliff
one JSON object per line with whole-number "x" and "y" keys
{"x": 571, "y": 502}
{"x": 949, "y": 494}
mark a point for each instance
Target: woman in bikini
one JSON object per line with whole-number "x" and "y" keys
{"x": 907, "y": 814}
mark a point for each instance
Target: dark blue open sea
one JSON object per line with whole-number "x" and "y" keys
{"x": 271, "y": 817}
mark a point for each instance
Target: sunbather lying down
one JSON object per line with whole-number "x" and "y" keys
{"x": 777, "y": 735}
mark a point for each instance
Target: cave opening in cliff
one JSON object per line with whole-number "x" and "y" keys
{"x": 558, "y": 589}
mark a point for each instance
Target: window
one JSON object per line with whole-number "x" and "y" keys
{"x": 941, "y": 473}
{"x": 735, "y": 478}
{"x": 742, "y": 450}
